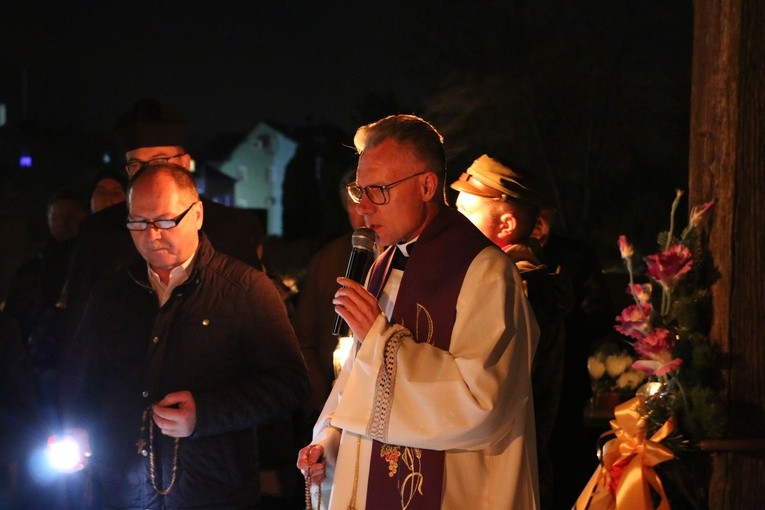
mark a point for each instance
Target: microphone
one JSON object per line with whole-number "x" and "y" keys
{"x": 363, "y": 241}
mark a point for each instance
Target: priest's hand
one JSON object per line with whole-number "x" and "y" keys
{"x": 312, "y": 464}
{"x": 356, "y": 306}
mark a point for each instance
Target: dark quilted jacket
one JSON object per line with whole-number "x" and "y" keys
{"x": 224, "y": 335}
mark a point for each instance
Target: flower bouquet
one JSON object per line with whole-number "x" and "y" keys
{"x": 653, "y": 460}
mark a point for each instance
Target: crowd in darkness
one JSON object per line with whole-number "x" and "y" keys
{"x": 265, "y": 393}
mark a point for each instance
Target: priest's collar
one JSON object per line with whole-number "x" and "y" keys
{"x": 406, "y": 247}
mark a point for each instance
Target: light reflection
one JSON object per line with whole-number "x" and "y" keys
{"x": 344, "y": 345}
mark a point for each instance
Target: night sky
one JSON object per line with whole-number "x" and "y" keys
{"x": 226, "y": 64}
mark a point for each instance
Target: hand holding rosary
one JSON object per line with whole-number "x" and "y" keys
{"x": 309, "y": 474}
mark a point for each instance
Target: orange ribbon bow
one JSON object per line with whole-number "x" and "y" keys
{"x": 626, "y": 473}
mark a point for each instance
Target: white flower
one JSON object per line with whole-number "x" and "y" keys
{"x": 630, "y": 379}
{"x": 617, "y": 364}
{"x": 596, "y": 367}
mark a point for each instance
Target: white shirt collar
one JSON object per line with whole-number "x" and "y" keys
{"x": 178, "y": 275}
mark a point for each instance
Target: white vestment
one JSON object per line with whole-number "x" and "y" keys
{"x": 473, "y": 401}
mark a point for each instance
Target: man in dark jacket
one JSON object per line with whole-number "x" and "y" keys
{"x": 177, "y": 359}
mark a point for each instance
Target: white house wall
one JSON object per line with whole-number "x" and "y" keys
{"x": 259, "y": 165}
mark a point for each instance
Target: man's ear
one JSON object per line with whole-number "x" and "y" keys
{"x": 507, "y": 225}
{"x": 429, "y": 186}
{"x": 200, "y": 218}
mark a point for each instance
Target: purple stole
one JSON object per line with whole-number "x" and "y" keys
{"x": 429, "y": 289}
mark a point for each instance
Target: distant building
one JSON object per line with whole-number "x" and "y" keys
{"x": 288, "y": 175}
{"x": 257, "y": 164}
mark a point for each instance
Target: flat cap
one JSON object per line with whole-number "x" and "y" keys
{"x": 151, "y": 124}
{"x": 489, "y": 178}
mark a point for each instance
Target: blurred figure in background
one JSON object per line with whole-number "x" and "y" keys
{"x": 590, "y": 319}
{"x": 33, "y": 303}
{"x": 37, "y": 285}
{"x": 315, "y": 314}
{"x": 66, "y": 212}
{"x": 108, "y": 189}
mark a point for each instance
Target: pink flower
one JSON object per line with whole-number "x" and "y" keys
{"x": 656, "y": 347}
{"x": 656, "y": 341}
{"x": 672, "y": 365}
{"x": 625, "y": 248}
{"x": 658, "y": 368}
{"x": 633, "y": 321}
{"x": 670, "y": 265}
{"x": 700, "y": 214}
{"x": 642, "y": 292}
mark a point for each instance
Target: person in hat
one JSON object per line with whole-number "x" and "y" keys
{"x": 505, "y": 206}
{"x": 152, "y": 133}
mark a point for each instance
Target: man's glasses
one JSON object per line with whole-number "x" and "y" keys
{"x": 377, "y": 193}
{"x": 138, "y": 226}
{"x": 135, "y": 165}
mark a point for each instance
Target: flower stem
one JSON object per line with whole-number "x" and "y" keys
{"x": 628, "y": 262}
{"x": 666, "y": 301}
{"x": 675, "y": 203}
{"x": 665, "y": 294}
